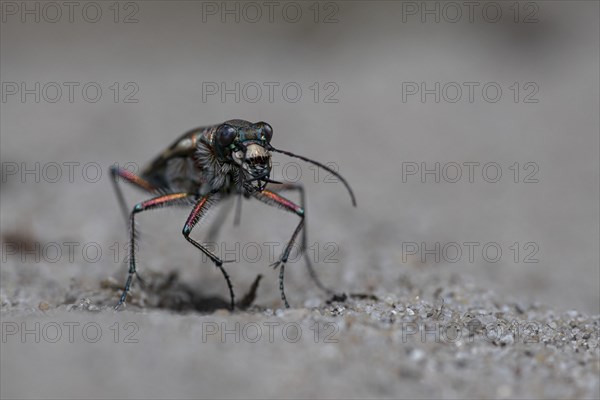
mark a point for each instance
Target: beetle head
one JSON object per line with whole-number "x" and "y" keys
{"x": 247, "y": 145}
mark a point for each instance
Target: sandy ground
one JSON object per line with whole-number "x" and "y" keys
{"x": 457, "y": 341}
{"x": 418, "y": 320}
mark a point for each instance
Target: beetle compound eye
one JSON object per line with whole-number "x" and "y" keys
{"x": 266, "y": 130}
{"x": 225, "y": 135}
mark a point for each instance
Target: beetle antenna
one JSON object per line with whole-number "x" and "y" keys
{"x": 326, "y": 168}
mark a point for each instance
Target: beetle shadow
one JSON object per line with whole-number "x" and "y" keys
{"x": 168, "y": 292}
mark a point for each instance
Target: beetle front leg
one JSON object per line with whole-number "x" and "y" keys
{"x": 197, "y": 213}
{"x": 157, "y": 202}
{"x": 273, "y": 199}
{"x": 311, "y": 270}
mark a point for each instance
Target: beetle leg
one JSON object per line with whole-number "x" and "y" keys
{"x": 273, "y": 199}
{"x": 134, "y": 179}
{"x": 213, "y": 231}
{"x": 197, "y": 213}
{"x": 157, "y": 202}
{"x": 311, "y": 270}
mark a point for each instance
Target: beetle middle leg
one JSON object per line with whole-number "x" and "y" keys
{"x": 134, "y": 179}
{"x": 272, "y": 198}
{"x": 215, "y": 228}
{"x": 156, "y": 202}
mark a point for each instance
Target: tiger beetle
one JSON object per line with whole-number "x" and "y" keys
{"x": 205, "y": 166}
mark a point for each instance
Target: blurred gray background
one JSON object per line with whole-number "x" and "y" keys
{"x": 364, "y": 55}
{"x": 369, "y": 132}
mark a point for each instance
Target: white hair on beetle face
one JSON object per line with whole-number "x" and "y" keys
{"x": 253, "y": 152}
